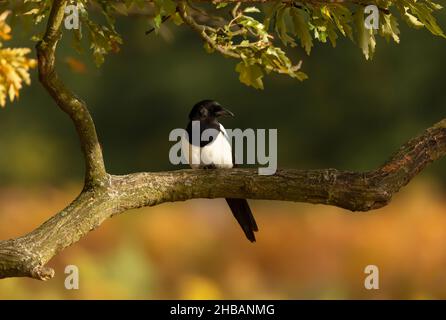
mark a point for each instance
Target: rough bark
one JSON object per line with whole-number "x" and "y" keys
{"x": 105, "y": 195}
{"x": 67, "y": 101}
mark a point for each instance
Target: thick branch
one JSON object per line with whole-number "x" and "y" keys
{"x": 27, "y": 255}
{"x": 67, "y": 100}
{"x": 105, "y": 195}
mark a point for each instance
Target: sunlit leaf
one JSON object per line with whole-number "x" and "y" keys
{"x": 250, "y": 74}
{"x": 14, "y": 65}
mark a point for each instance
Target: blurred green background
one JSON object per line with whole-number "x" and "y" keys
{"x": 351, "y": 114}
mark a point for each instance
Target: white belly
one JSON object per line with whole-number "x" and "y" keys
{"x": 217, "y": 153}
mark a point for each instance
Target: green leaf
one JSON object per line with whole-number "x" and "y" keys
{"x": 424, "y": 13}
{"x": 250, "y": 74}
{"x": 176, "y": 18}
{"x": 251, "y": 9}
{"x": 221, "y": 5}
{"x": 342, "y": 17}
{"x": 166, "y": 7}
{"x": 331, "y": 32}
{"x": 157, "y": 20}
{"x": 412, "y": 21}
{"x": 365, "y": 37}
{"x": 281, "y": 26}
{"x": 301, "y": 28}
{"x": 389, "y": 28}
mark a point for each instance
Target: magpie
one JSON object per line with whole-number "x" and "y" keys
{"x": 215, "y": 152}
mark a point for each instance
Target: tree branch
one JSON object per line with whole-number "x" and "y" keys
{"x": 95, "y": 173}
{"x": 201, "y": 30}
{"x": 106, "y": 195}
{"x": 26, "y": 256}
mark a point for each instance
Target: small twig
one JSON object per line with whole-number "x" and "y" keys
{"x": 164, "y": 19}
{"x": 234, "y": 11}
{"x": 201, "y": 30}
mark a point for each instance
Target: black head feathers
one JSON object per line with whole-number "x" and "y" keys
{"x": 208, "y": 109}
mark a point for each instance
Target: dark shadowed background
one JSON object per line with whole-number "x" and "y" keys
{"x": 351, "y": 114}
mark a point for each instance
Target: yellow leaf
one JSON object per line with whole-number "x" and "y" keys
{"x": 5, "y": 29}
{"x": 14, "y": 65}
{"x": 14, "y": 70}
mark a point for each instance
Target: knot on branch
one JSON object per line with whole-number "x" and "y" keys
{"x": 17, "y": 260}
{"x": 42, "y": 273}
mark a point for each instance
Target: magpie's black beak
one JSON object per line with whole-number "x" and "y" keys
{"x": 224, "y": 112}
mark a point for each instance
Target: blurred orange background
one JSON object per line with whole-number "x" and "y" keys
{"x": 195, "y": 250}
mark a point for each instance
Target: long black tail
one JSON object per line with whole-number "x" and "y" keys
{"x": 241, "y": 211}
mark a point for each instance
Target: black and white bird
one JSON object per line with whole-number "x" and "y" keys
{"x": 216, "y": 152}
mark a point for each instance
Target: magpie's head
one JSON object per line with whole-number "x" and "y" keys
{"x": 208, "y": 110}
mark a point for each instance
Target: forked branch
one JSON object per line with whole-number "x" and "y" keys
{"x": 72, "y": 105}
{"x": 106, "y": 195}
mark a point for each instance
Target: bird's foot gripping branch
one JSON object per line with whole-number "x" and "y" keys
{"x": 105, "y": 195}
